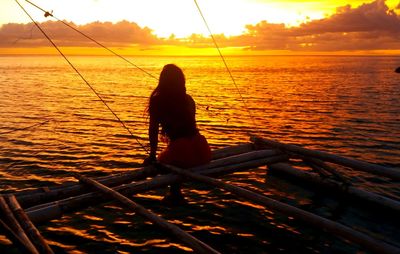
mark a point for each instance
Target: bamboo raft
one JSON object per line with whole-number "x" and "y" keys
{"x": 45, "y": 204}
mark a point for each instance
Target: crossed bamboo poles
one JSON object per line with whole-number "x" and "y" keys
{"x": 19, "y": 228}
{"x": 241, "y": 162}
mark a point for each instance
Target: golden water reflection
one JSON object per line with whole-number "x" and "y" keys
{"x": 345, "y": 105}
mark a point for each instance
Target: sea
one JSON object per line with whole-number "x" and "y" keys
{"x": 53, "y": 124}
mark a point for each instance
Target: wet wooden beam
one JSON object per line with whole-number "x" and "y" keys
{"x": 14, "y": 238}
{"x": 45, "y": 212}
{"x": 44, "y": 195}
{"x": 194, "y": 243}
{"x": 27, "y": 225}
{"x": 13, "y": 223}
{"x": 336, "y": 187}
{"x": 315, "y": 163}
{"x": 392, "y": 173}
{"x": 312, "y": 219}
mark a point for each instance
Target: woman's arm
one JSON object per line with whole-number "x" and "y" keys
{"x": 153, "y": 136}
{"x": 192, "y": 105}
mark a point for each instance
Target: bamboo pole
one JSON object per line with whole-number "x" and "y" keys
{"x": 320, "y": 171}
{"x": 317, "y": 221}
{"x": 393, "y": 173}
{"x": 194, "y": 243}
{"x": 45, "y": 212}
{"x": 78, "y": 189}
{"x": 16, "y": 227}
{"x": 28, "y": 226}
{"x": 351, "y": 191}
{"x": 232, "y": 150}
{"x": 28, "y": 199}
{"x": 43, "y": 195}
{"x": 240, "y": 158}
{"x": 14, "y": 238}
{"x": 320, "y": 164}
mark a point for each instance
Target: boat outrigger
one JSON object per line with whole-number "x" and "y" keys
{"x": 45, "y": 204}
{"x": 21, "y": 211}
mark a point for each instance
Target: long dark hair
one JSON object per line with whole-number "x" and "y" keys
{"x": 170, "y": 91}
{"x": 171, "y": 83}
{"x": 170, "y": 104}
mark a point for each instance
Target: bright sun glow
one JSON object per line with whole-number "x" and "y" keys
{"x": 272, "y": 26}
{"x": 180, "y": 17}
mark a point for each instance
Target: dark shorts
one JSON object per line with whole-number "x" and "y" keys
{"x": 186, "y": 152}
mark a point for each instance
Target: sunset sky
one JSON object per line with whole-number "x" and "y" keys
{"x": 175, "y": 26}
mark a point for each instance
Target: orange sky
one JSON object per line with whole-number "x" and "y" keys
{"x": 175, "y": 27}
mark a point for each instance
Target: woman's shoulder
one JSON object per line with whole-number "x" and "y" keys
{"x": 154, "y": 105}
{"x": 190, "y": 98}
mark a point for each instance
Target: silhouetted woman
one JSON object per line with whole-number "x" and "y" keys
{"x": 174, "y": 110}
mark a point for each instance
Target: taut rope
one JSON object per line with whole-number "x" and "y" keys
{"x": 80, "y": 75}
{"x": 223, "y": 60}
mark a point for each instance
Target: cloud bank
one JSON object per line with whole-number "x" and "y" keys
{"x": 371, "y": 26}
{"x": 121, "y": 34}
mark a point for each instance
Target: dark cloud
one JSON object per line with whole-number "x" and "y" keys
{"x": 123, "y": 33}
{"x": 371, "y": 17}
{"x": 371, "y": 26}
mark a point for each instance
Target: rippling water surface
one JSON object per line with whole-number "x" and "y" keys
{"x": 345, "y": 105}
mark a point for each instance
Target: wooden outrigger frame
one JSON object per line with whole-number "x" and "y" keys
{"x": 44, "y": 204}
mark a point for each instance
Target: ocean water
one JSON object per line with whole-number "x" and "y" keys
{"x": 52, "y": 124}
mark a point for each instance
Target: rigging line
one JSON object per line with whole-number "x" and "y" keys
{"x": 46, "y": 14}
{"x": 26, "y": 128}
{"x": 80, "y": 75}
{"x": 25, "y": 38}
{"x": 223, "y": 59}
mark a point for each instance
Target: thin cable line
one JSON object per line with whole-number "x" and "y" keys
{"x": 46, "y": 14}
{"x": 26, "y": 128}
{"x": 80, "y": 75}
{"x": 223, "y": 59}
